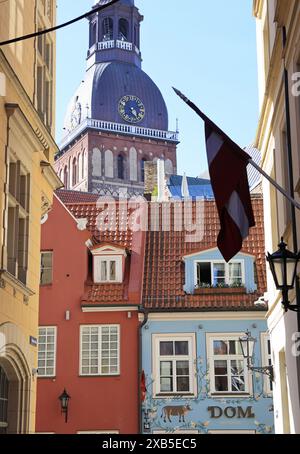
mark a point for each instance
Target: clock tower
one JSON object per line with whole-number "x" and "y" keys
{"x": 117, "y": 119}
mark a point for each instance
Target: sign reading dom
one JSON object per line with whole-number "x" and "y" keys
{"x": 231, "y": 412}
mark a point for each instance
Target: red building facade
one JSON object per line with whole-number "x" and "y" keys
{"x": 89, "y": 302}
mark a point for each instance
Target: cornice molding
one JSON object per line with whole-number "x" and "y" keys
{"x": 7, "y": 278}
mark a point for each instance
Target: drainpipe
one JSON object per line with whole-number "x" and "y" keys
{"x": 140, "y": 353}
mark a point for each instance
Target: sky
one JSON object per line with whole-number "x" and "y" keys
{"x": 206, "y": 49}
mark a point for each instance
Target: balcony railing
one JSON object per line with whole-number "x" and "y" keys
{"x": 109, "y": 126}
{"x": 118, "y": 43}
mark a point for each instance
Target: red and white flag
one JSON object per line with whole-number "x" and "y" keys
{"x": 143, "y": 387}
{"x": 227, "y": 168}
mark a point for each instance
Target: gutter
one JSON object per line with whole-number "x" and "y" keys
{"x": 140, "y": 358}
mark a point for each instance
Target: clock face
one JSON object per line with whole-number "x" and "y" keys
{"x": 131, "y": 109}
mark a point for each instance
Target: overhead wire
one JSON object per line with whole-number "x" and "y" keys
{"x": 58, "y": 27}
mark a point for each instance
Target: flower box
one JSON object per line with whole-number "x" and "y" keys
{"x": 219, "y": 290}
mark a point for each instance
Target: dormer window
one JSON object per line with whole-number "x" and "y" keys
{"x": 108, "y": 264}
{"x": 108, "y": 269}
{"x": 218, "y": 273}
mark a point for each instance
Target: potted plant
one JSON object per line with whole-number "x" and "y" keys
{"x": 221, "y": 288}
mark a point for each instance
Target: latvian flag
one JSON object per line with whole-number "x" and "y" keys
{"x": 227, "y": 168}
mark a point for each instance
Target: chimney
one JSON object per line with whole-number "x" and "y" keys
{"x": 155, "y": 181}
{"x": 150, "y": 172}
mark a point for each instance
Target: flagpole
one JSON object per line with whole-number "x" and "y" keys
{"x": 273, "y": 182}
{"x": 237, "y": 147}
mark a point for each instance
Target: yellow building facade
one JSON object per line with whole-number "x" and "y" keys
{"x": 27, "y": 181}
{"x": 272, "y": 16}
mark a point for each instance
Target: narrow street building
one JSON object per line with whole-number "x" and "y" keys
{"x": 197, "y": 307}
{"x": 278, "y": 26}
{"x": 27, "y": 179}
{"x": 91, "y": 287}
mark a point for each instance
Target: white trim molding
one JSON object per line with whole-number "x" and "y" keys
{"x": 226, "y": 337}
{"x": 190, "y": 338}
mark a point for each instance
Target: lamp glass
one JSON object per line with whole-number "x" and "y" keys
{"x": 279, "y": 267}
{"x": 291, "y": 268}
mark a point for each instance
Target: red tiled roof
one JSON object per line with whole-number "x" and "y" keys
{"x": 164, "y": 273}
{"x": 104, "y": 293}
{"x": 105, "y": 228}
{"x": 107, "y": 224}
{"x": 68, "y": 196}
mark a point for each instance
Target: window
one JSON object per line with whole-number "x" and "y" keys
{"x": 107, "y": 269}
{"x": 143, "y": 169}
{"x": 103, "y": 432}
{"x": 74, "y": 172}
{"x": 44, "y": 78}
{"x": 123, "y": 30}
{"x": 4, "y": 384}
{"x": 46, "y": 268}
{"x": 47, "y": 351}
{"x": 18, "y": 220}
{"x": 108, "y": 29}
{"x": 218, "y": 273}
{"x": 121, "y": 167}
{"x": 231, "y": 432}
{"x": 66, "y": 177}
{"x": 266, "y": 360}
{"x": 100, "y": 350}
{"x": 93, "y": 33}
{"x": 136, "y": 36}
{"x": 174, "y": 364}
{"x": 228, "y": 369}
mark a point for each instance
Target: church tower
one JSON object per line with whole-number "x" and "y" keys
{"x": 117, "y": 119}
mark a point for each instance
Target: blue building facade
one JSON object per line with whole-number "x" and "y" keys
{"x": 200, "y": 352}
{"x": 197, "y": 307}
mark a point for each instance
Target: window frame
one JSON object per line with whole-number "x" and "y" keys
{"x": 55, "y": 352}
{"x": 227, "y": 275}
{"x": 156, "y": 358}
{"x": 98, "y": 259}
{"x": 210, "y": 338}
{"x": 50, "y": 283}
{"x": 99, "y": 374}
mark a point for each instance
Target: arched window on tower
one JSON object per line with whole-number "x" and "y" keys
{"x": 66, "y": 177}
{"x": 107, "y": 29}
{"x": 123, "y": 30}
{"x": 93, "y": 34}
{"x": 83, "y": 165}
{"x": 143, "y": 169}
{"x": 121, "y": 173}
{"x": 74, "y": 172}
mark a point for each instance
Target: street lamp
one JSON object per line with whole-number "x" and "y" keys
{"x": 64, "y": 403}
{"x": 247, "y": 343}
{"x": 283, "y": 265}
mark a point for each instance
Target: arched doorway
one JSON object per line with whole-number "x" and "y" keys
{"x": 4, "y": 389}
{"x": 16, "y": 382}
